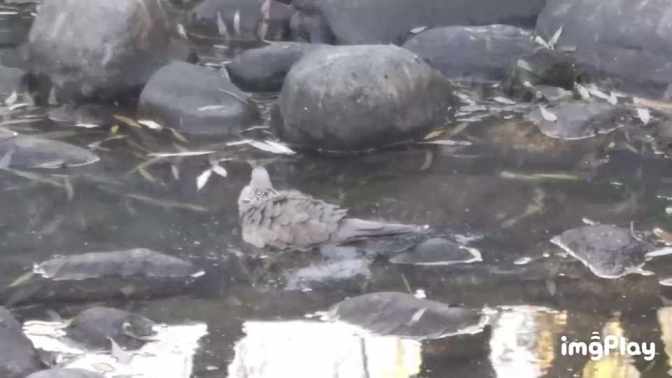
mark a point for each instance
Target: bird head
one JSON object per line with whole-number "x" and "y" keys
{"x": 258, "y": 190}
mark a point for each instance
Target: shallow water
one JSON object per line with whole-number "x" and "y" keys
{"x": 489, "y": 192}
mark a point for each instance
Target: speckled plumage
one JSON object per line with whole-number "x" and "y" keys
{"x": 293, "y": 220}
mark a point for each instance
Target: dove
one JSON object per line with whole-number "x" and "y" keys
{"x": 289, "y": 219}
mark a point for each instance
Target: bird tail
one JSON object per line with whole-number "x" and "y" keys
{"x": 354, "y": 228}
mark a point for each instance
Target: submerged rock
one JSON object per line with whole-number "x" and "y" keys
{"x": 18, "y": 357}
{"x": 580, "y": 120}
{"x": 472, "y": 53}
{"x": 388, "y": 21}
{"x": 438, "y": 252}
{"x": 399, "y": 314}
{"x": 239, "y": 21}
{"x": 99, "y": 48}
{"x": 24, "y": 151}
{"x": 135, "y": 273}
{"x": 307, "y": 23}
{"x": 624, "y": 38}
{"x": 196, "y": 100}
{"x": 65, "y": 373}
{"x": 543, "y": 68}
{"x": 264, "y": 69}
{"x": 356, "y": 98}
{"x": 95, "y": 326}
{"x": 608, "y": 251}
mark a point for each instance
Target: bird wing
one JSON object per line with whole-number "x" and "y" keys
{"x": 291, "y": 219}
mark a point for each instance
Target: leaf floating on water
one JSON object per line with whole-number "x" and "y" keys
{"x": 267, "y": 145}
{"x": 542, "y": 42}
{"x": 221, "y": 26}
{"x": 86, "y": 125}
{"x": 119, "y": 354}
{"x": 555, "y": 38}
{"x": 203, "y": 179}
{"x": 150, "y": 124}
{"x": 175, "y": 171}
{"x": 583, "y": 91}
{"x": 433, "y": 134}
{"x": 69, "y": 189}
{"x": 168, "y": 204}
{"x": 12, "y": 98}
{"x": 177, "y": 135}
{"x": 447, "y": 142}
{"x": 182, "y": 32}
{"x": 219, "y": 170}
{"x": 521, "y": 63}
{"x": 547, "y": 114}
{"x": 418, "y": 29}
{"x": 644, "y": 115}
{"x": 504, "y": 100}
{"x": 146, "y": 175}
{"x": 128, "y": 121}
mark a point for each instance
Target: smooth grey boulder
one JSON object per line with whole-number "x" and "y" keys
{"x": 18, "y": 357}
{"x": 390, "y": 21}
{"x": 627, "y": 39}
{"x": 357, "y": 98}
{"x": 264, "y": 69}
{"x": 65, "y": 373}
{"x": 99, "y": 48}
{"x": 196, "y": 100}
{"x": 473, "y": 53}
{"x": 240, "y": 20}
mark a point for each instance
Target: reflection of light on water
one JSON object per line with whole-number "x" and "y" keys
{"x": 170, "y": 356}
{"x": 314, "y": 350}
{"x": 614, "y": 365}
{"x": 665, "y": 321}
{"x": 523, "y": 341}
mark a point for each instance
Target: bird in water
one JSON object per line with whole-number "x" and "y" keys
{"x": 288, "y": 219}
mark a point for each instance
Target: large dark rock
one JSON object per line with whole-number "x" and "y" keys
{"x": 133, "y": 273}
{"x": 629, "y": 39}
{"x": 264, "y": 69}
{"x": 385, "y": 21}
{"x": 237, "y": 21}
{"x": 479, "y": 53}
{"x": 195, "y": 100}
{"x": 307, "y": 23}
{"x": 361, "y": 97}
{"x": 99, "y": 48}
{"x": 18, "y": 357}
{"x": 26, "y": 151}
{"x": 94, "y": 327}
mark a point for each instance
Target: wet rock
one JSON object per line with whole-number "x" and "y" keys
{"x": 196, "y": 100}
{"x": 308, "y": 25}
{"x": 361, "y": 97}
{"x": 329, "y": 274}
{"x": 438, "y": 252}
{"x": 580, "y": 120}
{"x": 608, "y": 251}
{"x": 388, "y": 21}
{"x": 101, "y": 48}
{"x": 24, "y": 151}
{"x": 95, "y": 326}
{"x": 65, "y": 373}
{"x": 18, "y": 358}
{"x": 623, "y": 38}
{"x": 240, "y": 21}
{"x": 134, "y": 273}
{"x": 544, "y": 67}
{"x": 15, "y": 21}
{"x": 398, "y": 314}
{"x": 472, "y": 53}
{"x": 264, "y": 69}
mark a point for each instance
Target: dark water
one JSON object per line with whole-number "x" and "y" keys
{"x": 492, "y": 192}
